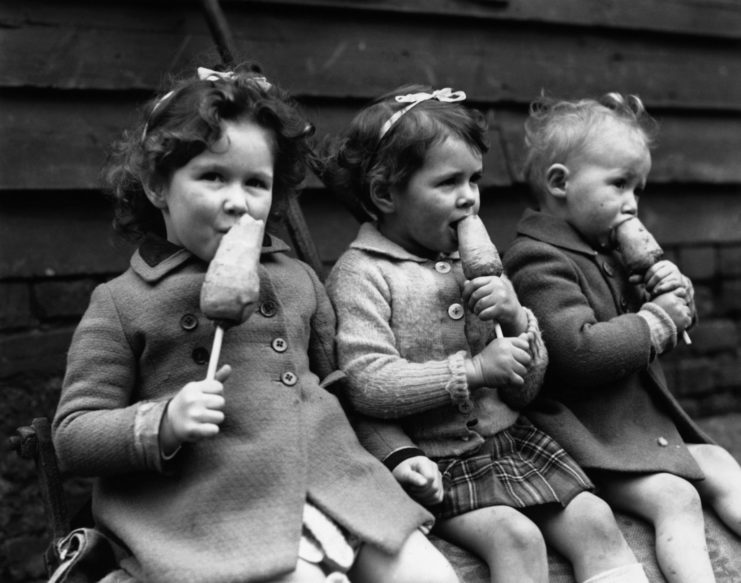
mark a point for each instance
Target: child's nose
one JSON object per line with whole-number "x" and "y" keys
{"x": 468, "y": 195}
{"x": 235, "y": 202}
{"x": 630, "y": 205}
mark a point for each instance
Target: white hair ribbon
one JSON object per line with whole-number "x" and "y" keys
{"x": 446, "y": 95}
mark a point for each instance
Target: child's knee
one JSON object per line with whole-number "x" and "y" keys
{"x": 516, "y": 533}
{"x": 596, "y": 521}
{"x": 680, "y": 498}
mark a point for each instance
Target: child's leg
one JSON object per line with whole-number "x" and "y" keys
{"x": 418, "y": 561}
{"x": 721, "y": 488}
{"x": 506, "y": 539}
{"x": 305, "y": 573}
{"x": 673, "y": 506}
{"x": 586, "y": 533}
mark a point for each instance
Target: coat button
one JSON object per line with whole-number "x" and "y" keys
{"x": 442, "y": 267}
{"x": 279, "y": 345}
{"x": 455, "y": 311}
{"x": 200, "y": 355}
{"x": 662, "y": 441}
{"x": 609, "y": 272}
{"x": 288, "y": 378}
{"x": 189, "y": 322}
{"x": 472, "y": 423}
{"x": 268, "y": 309}
{"x": 466, "y": 406}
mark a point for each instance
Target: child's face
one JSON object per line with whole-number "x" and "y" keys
{"x": 604, "y": 181}
{"x": 438, "y": 195}
{"x": 206, "y": 197}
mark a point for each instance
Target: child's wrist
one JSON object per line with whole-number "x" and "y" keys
{"x": 474, "y": 373}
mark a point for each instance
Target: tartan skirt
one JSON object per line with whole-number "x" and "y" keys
{"x": 520, "y": 466}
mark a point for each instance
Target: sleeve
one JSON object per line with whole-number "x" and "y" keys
{"x": 583, "y": 352}
{"x": 381, "y": 382}
{"x": 97, "y": 429}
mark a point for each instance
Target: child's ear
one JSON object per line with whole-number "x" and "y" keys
{"x": 382, "y": 198}
{"x": 556, "y": 178}
{"x": 156, "y": 196}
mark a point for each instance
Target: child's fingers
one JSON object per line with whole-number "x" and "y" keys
{"x": 223, "y": 373}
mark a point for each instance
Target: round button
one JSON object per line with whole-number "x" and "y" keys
{"x": 200, "y": 355}
{"x": 609, "y": 272}
{"x": 662, "y": 441}
{"x": 279, "y": 345}
{"x": 466, "y": 406}
{"x": 189, "y": 322}
{"x": 455, "y": 311}
{"x": 268, "y": 309}
{"x": 442, "y": 267}
{"x": 288, "y": 378}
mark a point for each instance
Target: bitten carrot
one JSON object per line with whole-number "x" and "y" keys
{"x": 231, "y": 287}
{"x": 638, "y": 250}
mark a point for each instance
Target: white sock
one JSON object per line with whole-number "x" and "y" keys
{"x": 627, "y": 574}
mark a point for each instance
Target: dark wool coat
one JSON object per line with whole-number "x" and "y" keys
{"x": 605, "y": 398}
{"x": 228, "y": 508}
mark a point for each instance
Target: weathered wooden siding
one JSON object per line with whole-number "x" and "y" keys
{"x": 72, "y": 74}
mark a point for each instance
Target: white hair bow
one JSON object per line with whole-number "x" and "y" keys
{"x": 446, "y": 95}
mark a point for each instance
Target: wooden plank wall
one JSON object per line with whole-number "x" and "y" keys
{"x": 73, "y": 73}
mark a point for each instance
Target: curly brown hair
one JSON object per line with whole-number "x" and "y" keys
{"x": 188, "y": 119}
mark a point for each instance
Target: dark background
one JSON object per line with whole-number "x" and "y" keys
{"x": 72, "y": 74}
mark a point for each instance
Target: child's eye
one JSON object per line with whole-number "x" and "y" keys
{"x": 257, "y": 183}
{"x": 476, "y": 178}
{"x": 620, "y": 183}
{"x": 212, "y": 177}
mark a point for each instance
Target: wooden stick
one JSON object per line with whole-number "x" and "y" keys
{"x": 215, "y": 353}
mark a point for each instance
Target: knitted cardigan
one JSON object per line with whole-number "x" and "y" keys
{"x": 227, "y": 508}
{"x": 605, "y": 397}
{"x": 402, "y": 336}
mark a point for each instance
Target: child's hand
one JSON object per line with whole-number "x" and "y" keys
{"x": 674, "y": 303}
{"x": 420, "y": 477}
{"x": 195, "y": 412}
{"x": 504, "y": 361}
{"x": 664, "y": 276}
{"x": 493, "y": 298}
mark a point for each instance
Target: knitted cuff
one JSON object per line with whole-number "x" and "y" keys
{"x": 662, "y": 328}
{"x": 457, "y": 386}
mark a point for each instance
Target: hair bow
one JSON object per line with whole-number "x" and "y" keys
{"x": 205, "y": 74}
{"x": 446, "y": 95}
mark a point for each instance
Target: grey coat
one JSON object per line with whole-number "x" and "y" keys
{"x": 228, "y": 508}
{"x": 605, "y": 397}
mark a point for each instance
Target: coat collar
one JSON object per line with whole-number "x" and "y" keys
{"x": 553, "y": 230}
{"x": 156, "y": 257}
{"x": 370, "y": 239}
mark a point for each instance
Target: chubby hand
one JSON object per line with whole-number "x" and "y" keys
{"x": 493, "y": 298}
{"x": 195, "y": 412}
{"x": 504, "y": 361}
{"x": 420, "y": 476}
{"x": 674, "y": 303}
{"x": 664, "y": 276}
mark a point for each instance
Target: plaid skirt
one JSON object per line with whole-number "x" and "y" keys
{"x": 520, "y": 466}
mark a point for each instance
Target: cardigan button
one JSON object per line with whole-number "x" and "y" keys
{"x": 288, "y": 378}
{"x": 442, "y": 267}
{"x": 200, "y": 355}
{"x": 189, "y": 322}
{"x": 455, "y": 311}
{"x": 279, "y": 345}
{"x": 662, "y": 441}
{"x": 268, "y": 309}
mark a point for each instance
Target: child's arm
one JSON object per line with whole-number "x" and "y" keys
{"x": 383, "y": 383}
{"x": 99, "y": 429}
{"x": 584, "y": 352}
{"x": 663, "y": 277}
